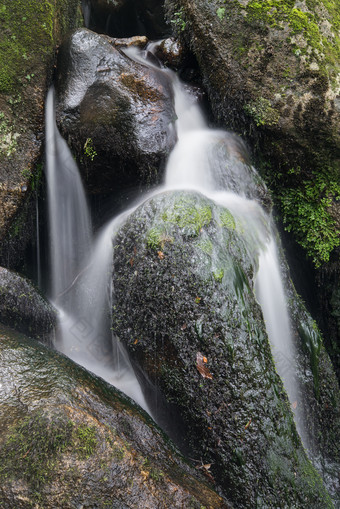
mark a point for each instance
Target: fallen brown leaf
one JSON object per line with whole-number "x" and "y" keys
{"x": 203, "y": 370}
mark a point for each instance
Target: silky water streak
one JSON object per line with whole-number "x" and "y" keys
{"x": 81, "y": 270}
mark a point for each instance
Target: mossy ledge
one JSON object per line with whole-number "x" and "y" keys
{"x": 30, "y": 32}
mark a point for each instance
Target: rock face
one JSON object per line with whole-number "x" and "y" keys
{"x": 271, "y": 70}
{"x": 68, "y": 439}
{"x": 116, "y": 114}
{"x": 125, "y": 18}
{"x": 276, "y": 62}
{"x": 184, "y": 305}
{"x": 23, "y": 307}
{"x": 29, "y": 32}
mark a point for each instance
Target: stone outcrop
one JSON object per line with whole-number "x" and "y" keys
{"x": 116, "y": 114}
{"x": 23, "y": 307}
{"x": 184, "y": 304}
{"x": 68, "y": 439}
{"x": 29, "y": 33}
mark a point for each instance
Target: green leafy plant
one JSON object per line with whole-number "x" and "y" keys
{"x": 221, "y": 13}
{"x": 178, "y": 20}
{"x": 89, "y": 149}
{"x": 305, "y": 211}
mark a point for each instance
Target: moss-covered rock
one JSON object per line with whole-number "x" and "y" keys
{"x": 23, "y": 307}
{"x": 68, "y": 439}
{"x": 271, "y": 70}
{"x": 184, "y": 305}
{"x": 272, "y": 73}
{"x": 29, "y": 33}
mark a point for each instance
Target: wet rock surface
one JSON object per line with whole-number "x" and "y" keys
{"x": 271, "y": 72}
{"x": 116, "y": 114}
{"x": 68, "y": 439}
{"x": 29, "y": 33}
{"x": 184, "y": 305}
{"x": 125, "y": 18}
{"x": 23, "y": 307}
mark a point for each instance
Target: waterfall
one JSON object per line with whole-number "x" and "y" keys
{"x": 69, "y": 220}
{"x": 213, "y": 162}
{"x": 81, "y": 270}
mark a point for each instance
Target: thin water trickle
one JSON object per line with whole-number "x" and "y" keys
{"x": 38, "y": 240}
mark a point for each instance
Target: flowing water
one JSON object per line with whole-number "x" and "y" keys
{"x": 81, "y": 270}
{"x": 211, "y": 161}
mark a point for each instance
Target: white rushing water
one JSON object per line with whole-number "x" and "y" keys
{"x": 212, "y": 162}
{"x": 207, "y": 160}
{"x": 81, "y": 270}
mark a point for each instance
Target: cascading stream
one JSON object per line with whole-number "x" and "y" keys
{"x": 212, "y": 162}
{"x": 205, "y": 160}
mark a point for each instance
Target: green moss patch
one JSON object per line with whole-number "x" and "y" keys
{"x": 323, "y": 45}
{"x": 31, "y": 447}
{"x": 28, "y": 32}
{"x": 189, "y": 216}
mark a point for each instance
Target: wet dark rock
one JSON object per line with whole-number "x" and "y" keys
{"x": 29, "y": 32}
{"x": 184, "y": 305}
{"x": 68, "y": 439}
{"x": 126, "y": 18}
{"x": 23, "y": 307}
{"x": 171, "y": 52}
{"x": 116, "y": 114}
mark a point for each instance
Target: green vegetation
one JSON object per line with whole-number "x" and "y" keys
{"x": 87, "y": 440}
{"x": 187, "y": 215}
{"x": 178, "y": 20}
{"x": 218, "y": 275}
{"x": 262, "y": 112}
{"x": 322, "y": 46}
{"x": 154, "y": 238}
{"x": 227, "y": 219}
{"x": 28, "y": 33}
{"x": 31, "y": 447}
{"x": 89, "y": 149}
{"x": 221, "y": 13}
{"x": 305, "y": 210}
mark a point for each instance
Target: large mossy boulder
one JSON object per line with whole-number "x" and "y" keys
{"x": 116, "y": 113}
{"x": 184, "y": 305}
{"x": 271, "y": 70}
{"x": 29, "y": 33}
{"x": 23, "y": 307}
{"x": 68, "y": 439}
